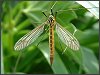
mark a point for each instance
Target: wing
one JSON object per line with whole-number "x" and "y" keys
{"x": 29, "y": 38}
{"x": 66, "y": 37}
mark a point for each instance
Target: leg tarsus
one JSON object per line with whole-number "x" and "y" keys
{"x": 64, "y": 50}
{"x": 74, "y": 32}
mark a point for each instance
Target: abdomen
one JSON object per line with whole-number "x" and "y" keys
{"x": 51, "y": 43}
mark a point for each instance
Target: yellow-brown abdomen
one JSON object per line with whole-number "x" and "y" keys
{"x": 51, "y": 43}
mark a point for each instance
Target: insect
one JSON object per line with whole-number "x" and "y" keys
{"x": 66, "y": 37}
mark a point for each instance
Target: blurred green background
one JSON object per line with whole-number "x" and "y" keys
{"x": 20, "y": 17}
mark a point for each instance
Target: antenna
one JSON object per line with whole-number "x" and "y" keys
{"x": 52, "y": 8}
{"x": 52, "y": 12}
{"x": 53, "y": 5}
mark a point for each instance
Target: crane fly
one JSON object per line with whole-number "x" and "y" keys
{"x": 65, "y": 36}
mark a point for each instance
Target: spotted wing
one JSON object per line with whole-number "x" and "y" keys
{"x": 66, "y": 37}
{"x": 29, "y": 38}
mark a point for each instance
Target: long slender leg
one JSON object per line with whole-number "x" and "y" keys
{"x": 56, "y": 13}
{"x": 44, "y": 13}
{"x": 43, "y": 35}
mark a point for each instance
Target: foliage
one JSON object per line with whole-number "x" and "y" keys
{"x": 20, "y": 17}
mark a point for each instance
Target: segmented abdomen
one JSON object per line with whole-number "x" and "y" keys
{"x": 51, "y": 43}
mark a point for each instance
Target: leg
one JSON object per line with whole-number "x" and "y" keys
{"x": 43, "y": 35}
{"x": 74, "y": 32}
{"x": 64, "y": 50}
{"x": 56, "y": 13}
{"x": 44, "y": 13}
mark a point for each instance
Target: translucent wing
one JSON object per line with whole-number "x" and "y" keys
{"x": 29, "y": 37}
{"x": 66, "y": 37}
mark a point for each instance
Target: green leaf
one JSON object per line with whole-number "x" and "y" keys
{"x": 94, "y": 5}
{"x": 58, "y": 66}
{"x": 90, "y": 62}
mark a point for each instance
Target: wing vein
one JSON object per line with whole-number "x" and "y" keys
{"x": 66, "y": 37}
{"x": 29, "y": 37}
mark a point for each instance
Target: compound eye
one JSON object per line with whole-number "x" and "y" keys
{"x": 53, "y": 20}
